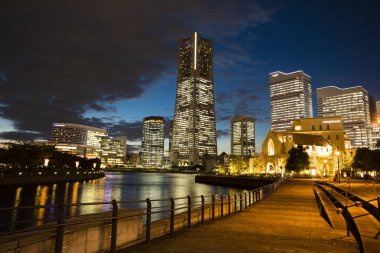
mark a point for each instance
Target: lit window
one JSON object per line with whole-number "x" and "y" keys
{"x": 270, "y": 147}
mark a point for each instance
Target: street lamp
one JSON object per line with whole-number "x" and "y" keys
{"x": 337, "y": 154}
{"x": 46, "y": 162}
{"x": 324, "y": 169}
{"x": 77, "y": 164}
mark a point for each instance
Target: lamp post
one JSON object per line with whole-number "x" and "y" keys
{"x": 337, "y": 154}
{"x": 324, "y": 169}
{"x": 46, "y": 162}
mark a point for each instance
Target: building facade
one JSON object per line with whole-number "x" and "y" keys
{"x": 153, "y": 142}
{"x": 276, "y": 145}
{"x": 114, "y": 150}
{"x": 78, "y": 139}
{"x": 330, "y": 128}
{"x": 242, "y": 136}
{"x": 290, "y": 98}
{"x": 194, "y": 129}
{"x": 352, "y": 104}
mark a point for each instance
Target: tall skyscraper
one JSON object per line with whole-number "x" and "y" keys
{"x": 372, "y": 109}
{"x": 352, "y": 104}
{"x": 194, "y": 130}
{"x": 153, "y": 141}
{"x": 290, "y": 98}
{"x": 242, "y": 136}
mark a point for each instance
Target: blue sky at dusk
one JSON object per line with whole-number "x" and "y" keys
{"x": 111, "y": 63}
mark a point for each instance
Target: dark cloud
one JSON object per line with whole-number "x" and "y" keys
{"x": 222, "y": 133}
{"x": 133, "y": 148}
{"x": 61, "y": 59}
{"x": 246, "y": 101}
{"x": 19, "y": 136}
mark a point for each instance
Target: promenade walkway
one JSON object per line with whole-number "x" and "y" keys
{"x": 287, "y": 221}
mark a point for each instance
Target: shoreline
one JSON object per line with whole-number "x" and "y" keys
{"x": 48, "y": 179}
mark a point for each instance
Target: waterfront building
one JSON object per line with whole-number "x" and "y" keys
{"x": 290, "y": 98}
{"x": 276, "y": 146}
{"x": 81, "y": 140}
{"x": 352, "y": 104}
{"x": 330, "y": 128}
{"x": 153, "y": 142}
{"x": 242, "y": 136}
{"x": 114, "y": 150}
{"x": 194, "y": 129}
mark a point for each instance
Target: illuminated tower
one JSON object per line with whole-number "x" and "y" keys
{"x": 352, "y": 104}
{"x": 290, "y": 99}
{"x": 194, "y": 131}
{"x": 242, "y": 136}
{"x": 153, "y": 141}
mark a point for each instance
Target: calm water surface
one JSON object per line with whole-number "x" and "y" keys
{"x": 116, "y": 185}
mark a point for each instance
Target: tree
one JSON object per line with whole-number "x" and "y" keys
{"x": 237, "y": 165}
{"x": 297, "y": 160}
{"x": 362, "y": 159}
{"x": 377, "y": 143}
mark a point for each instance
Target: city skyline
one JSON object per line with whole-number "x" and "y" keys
{"x": 53, "y": 69}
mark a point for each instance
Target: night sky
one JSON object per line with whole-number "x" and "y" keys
{"x": 110, "y": 63}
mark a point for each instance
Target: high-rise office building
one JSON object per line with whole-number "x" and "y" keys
{"x": 114, "y": 150}
{"x": 242, "y": 136}
{"x": 194, "y": 130}
{"x": 290, "y": 98}
{"x": 352, "y": 104}
{"x": 78, "y": 139}
{"x": 153, "y": 141}
{"x": 372, "y": 109}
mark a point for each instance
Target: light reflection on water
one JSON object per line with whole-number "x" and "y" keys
{"x": 116, "y": 185}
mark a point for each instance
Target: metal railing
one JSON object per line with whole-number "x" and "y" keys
{"x": 344, "y": 209}
{"x": 159, "y": 217}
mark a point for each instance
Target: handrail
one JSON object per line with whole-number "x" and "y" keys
{"x": 218, "y": 205}
{"x": 350, "y": 222}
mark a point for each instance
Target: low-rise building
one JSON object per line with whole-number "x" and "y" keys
{"x": 277, "y": 144}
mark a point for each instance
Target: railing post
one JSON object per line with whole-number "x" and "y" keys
{"x": 188, "y": 211}
{"x": 229, "y": 204}
{"x": 172, "y": 207}
{"x": 245, "y": 200}
{"x": 241, "y": 202}
{"x": 221, "y": 205}
{"x": 235, "y": 202}
{"x": 347, "y": 222}
{"x": 60, "y": 229}
{"x": 148, "y": 218}
{"x": 115, "y": 214}
{"x": 249, "y": 198}
{"x": 213, "y": 207}
{"x": 203, "y": 209}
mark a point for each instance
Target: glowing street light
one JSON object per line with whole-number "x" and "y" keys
{"x": 337, "y": 153}
{"x": 77, "y": 164}
{"x": 46, "y": 162}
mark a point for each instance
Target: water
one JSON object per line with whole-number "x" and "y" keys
{"x": 116, "y": 185}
